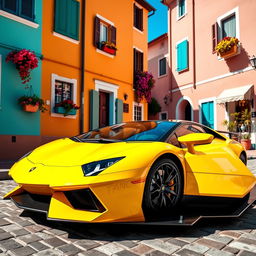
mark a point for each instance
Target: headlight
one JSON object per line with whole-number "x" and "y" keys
{"x": 25, "y": 155}
{"x": 94, "y": 168}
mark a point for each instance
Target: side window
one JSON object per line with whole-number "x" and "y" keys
{"x": 174, "y": 141}
{"x": 195, "y": 129}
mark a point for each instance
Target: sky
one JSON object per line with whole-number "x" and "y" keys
{"x": 157, "y": 24}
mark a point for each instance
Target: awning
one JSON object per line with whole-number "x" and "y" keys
{"x": 235, "y": 94}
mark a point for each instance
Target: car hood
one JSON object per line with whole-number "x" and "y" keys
{"x": 65, "y": 152}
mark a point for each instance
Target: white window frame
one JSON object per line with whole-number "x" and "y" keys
{"x": 178, "y": 42}
{"x": 110, "y": 88}
{"x": 0, "y": 81}
{"x": 159, "y": 76}
{"x": 225, "y": 16}
{"x": 163, "y": 112}
{"x": 74, "y": 93}
{"x": 142, "y": 110}
{"x": 205, "y": 100}
{"x": 178, "y": 5}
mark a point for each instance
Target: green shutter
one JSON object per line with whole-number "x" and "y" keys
{"x": 119, "y": 111}
{"x": 94, "y": 109}
{"x": 66, "y": 20}
{"x": 182, "y": 55}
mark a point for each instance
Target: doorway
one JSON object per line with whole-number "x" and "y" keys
{"x": 103, "y": 109}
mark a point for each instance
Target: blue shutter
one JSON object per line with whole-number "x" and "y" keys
{"x": 119, "y": 111}
{"x": 182, "y": 55}
{"x": 94, "y": 109}
{"x": 207, "y": 112}
{"x": 73, "y": 18}
{"x": 60, "y": 18}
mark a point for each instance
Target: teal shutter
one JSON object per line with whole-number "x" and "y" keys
{"x": 119, "y": 111}
{"x": 207, "y": 112}
{"x": 66, "y": 21}
{"x": 182, "y": 55}
{"x": 94, "y": 109}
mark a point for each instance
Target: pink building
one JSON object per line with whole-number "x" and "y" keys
{"x": 158, "y": 65}
{"x": 205, "y": 87}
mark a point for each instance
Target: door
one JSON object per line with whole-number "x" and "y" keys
{"x": 207, "y": 113}
{"x": 104, "y": 109}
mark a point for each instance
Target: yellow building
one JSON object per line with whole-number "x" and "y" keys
{"x": 81, "y": 63}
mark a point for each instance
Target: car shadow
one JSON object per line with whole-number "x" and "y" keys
{"x": 119, "y": 232}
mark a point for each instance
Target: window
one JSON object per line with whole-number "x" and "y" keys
{"x": 104, "y": 31}
{"x": 163, "y": 116}
{"x": 138, "y": 17}
{"x": 181, "y": 8}
{"x": 138, "y": 60}
{"x": 21, "y": 8}
{"x": 228, "y": 26}
{"x": 182, "y": 55}
{"x": 66, "y": 20}
{"x": 137, "y": 112}
{"x": 162, "y": 67}
{"x": 63, "y": 91}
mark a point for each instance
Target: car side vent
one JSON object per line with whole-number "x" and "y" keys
{"x": 84, "y": 199}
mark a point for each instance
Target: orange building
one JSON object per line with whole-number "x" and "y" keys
{"x": 91, "y": 50}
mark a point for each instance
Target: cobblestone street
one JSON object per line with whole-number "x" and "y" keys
{"x": 24, "y": 233}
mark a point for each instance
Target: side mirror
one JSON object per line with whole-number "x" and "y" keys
{"x": 195, "y": 138}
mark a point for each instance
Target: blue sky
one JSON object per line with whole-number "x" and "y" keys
{"x": 157, "y": 24}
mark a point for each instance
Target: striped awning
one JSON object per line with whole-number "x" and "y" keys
{"x": 235, "y": 94}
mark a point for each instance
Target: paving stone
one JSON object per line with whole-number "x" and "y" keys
{"x": 161, "y": 246}
{"x": 87, "y": 244}
{"x": 141, "y": 249}
{"x": 246, "y": 240}
{"x": 186, "y": 252}
{"x": 246, "y": 253}
{"x": 197, "y": 248}
{"x": 34, "y": 228}
{"x": 220, "y": 238}
{"x": 11, "y": 227}
{"x": 29, "y": 238}
{"x": 69, "y": 249}
{"x": 128, "y": 244}
{"x": 5, "y": 235}
{"x": 249, "y": 236}
{"x": 9, "y": 244}
{"x": 176, "y": 242}
{"x": 4, "y": 222}
{"x": 1, "y": 230}
{"x": 19, "y": 232}
{"x": 156, "y": 253}
{"x": 23, "y": 251}
{"x": 231, "y": 250}
{"x": 43, "y": 235}
{"x": 125, "y": 253}
{"x": 211, "y": 243}
{"x": 109, "y": 248}
{"x": 216, "y": 252}
{"x": 54, "y": 242}
{"x": 242, "y": 246}
{"x": 188, "y": 239}
{"x": 38, "y": 246}
{"x": 49, "y": 252}
{"x": 232, "y": 234}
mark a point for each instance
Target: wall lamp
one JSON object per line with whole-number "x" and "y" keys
{"x": 253, "y": 61}
{"x": 165, "y": 99}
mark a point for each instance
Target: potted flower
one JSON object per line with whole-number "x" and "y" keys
{"x": 24, "y": 61}
{"x": 32, "y": 103}
{"x": 143, "y": 84}
{"x": 108, "y": 47}
{"x": 246, "y": 140}
{"x": 227, "y": 47}
{"x": 66, "y": 107}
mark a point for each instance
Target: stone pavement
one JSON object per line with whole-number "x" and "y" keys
{"x": 24, "y": 233}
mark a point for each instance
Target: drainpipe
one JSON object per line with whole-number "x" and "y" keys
{"x": 194, "y": 44}
{"x": 81, "y": 119}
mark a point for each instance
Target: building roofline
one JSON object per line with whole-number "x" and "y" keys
{"x": 163, "y": 36}
{"x": 146, "y": 5}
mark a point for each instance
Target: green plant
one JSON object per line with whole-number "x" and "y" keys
{"x": 154, "y": 107}
{"x": 109, "y": 45}
{"x": 231, "y": 125}
{"x": 246, "y": 136}
{"x": 67, "y": 105}
{"x": 226, "y": 44}
{"x": 32, "y": 100}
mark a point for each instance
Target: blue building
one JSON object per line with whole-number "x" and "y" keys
{"x": 20, "y": 28}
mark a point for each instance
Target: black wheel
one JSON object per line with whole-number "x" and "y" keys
{"x": 163, "y": 188}
{"x": 243, "y": 158}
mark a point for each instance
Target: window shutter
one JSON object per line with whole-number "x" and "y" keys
{"x": 60, "y": 19}
{"x": 96, "y": 31}
{"x": 119, "y": 111}
{"x": 94, "y": 109}
{"x": 73, "y": 18}
{"x": 141, "y": 61}
{"x": 182, "y": 55}
{"x": 113, "y": 35}
{"x": 134, "y": 15}
{"x": 214, "y": 36}
{"x": 140, "y": 19}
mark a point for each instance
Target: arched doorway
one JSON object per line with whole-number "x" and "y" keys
{"x": 184, "y": 109}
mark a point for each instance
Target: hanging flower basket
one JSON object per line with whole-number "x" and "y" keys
{"x": 144, "y": 82}
{"x": 24, "y": 61}
{"x": 30, "y": 108}
{"x": 66, "y": 107}
{"x": 228, "y": 47}
{"x": 32, "y": 103}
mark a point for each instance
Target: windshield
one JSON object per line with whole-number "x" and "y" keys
{"x": 131, "y": 131}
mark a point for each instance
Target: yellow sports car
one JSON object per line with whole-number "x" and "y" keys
{"x": 170, "y": 172}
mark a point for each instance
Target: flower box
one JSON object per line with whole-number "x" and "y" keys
{"x": 232, "y": 52}
{"x": 108, "y": 50}
{"x": 30, "y": 108}
{"x": 62, "y": 110}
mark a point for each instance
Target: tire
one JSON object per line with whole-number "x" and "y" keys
{"x": 164, "y": 187}
{"x": 243, "y": 158}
